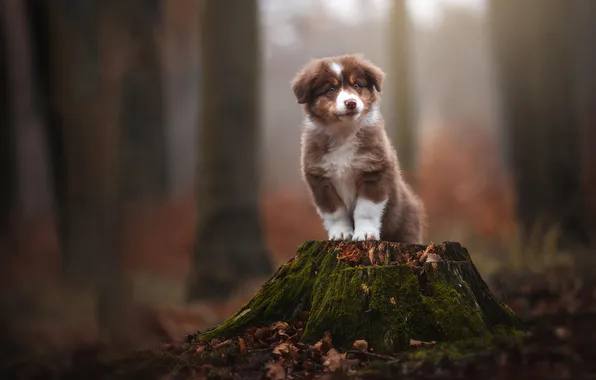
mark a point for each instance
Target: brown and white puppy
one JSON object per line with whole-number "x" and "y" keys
{"x": 348, "y": 163}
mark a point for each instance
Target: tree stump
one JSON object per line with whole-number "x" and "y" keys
{"x": 385, "y": 293}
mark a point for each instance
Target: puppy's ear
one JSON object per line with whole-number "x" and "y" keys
{"x": 302, "y": 85}
{"x": 374, "y": 74}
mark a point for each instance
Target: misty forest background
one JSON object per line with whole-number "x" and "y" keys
{"x": 149, "y": 157}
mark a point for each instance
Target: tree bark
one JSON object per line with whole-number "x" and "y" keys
{"x": 229, "y": 241}
{"x": 385, "y": 293}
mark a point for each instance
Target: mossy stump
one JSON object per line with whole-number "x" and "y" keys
{"x": 385, "y": 293}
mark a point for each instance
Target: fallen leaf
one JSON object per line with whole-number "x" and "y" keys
{"x": 303, "y": 315}
{"x": 417, "y": 343}
{"x": 222, "y": 344}
{"x": 371, "y": 256}
{"x": 275, "y": 371}
{"x": 562, "y": 333}
{"x": 433, "y": 258}
{"x": 324, "y": 344}
{"x": 333, "y": 361}
{"x": 360, "y": 344}
{"x": 392, "y": 300}
{"x": 279, "y": 326}
{"x": 503, "y": 359}
{"x": 242, "y": 345}
{"x": 263, "y": 333}
{"x": 282, "y": 348}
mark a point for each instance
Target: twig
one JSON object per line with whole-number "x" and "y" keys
{"x": 357, "y": 353}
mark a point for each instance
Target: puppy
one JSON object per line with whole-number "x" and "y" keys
{"x": 350, "y": 168}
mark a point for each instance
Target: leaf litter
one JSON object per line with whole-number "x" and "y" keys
{"x": 560, "y": 344}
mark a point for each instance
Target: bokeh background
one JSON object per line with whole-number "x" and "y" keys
{"x": 149, "y": 161}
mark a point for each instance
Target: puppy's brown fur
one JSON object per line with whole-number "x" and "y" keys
{"x": 348, "y": 163}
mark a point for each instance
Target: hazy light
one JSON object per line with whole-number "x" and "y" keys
{"x": 428, "y": 13}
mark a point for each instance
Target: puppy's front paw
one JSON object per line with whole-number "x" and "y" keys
{"x": 340, "y": 232}
{"x": 366, "y": 234}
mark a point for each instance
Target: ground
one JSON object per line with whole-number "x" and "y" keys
{"x": 560, "y": 344}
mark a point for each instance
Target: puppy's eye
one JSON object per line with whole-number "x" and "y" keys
{"x": 356, "y": 86}
{"x": 331, "y": 89}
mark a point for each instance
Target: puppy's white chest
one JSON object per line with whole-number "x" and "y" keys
{"x": 339, "y": 164}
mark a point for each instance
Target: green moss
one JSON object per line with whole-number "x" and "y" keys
{"x": 451, "y": 304}
{"x": 284, "y": 295}
{"x": 338, "y": 306}
{"x": 464, "y": 348}
{"x": 386, "y": 305}
{"x": 396, "y": 308}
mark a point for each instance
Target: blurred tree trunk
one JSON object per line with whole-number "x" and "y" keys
{"x": 586, "y": 80}
{"x": 6, "y": 154}
{"x": 103, "y": 84}
{"x": 181, "y": 59}
{"x": 27, "y": 135}
{"x": 229, "y": 240}
{"x": 143, "y": 113}
{"x": 405, "y": 140}
{"x": 535, "y": 62}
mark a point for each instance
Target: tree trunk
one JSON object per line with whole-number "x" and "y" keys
{"x": 385, "y": 293}
{"x": 143, "y": 109}
{"x": 181, "y": 85}
{"x": 27, "y": 136}
{"x": 229, "y": 239}
{"x": 405, "y": 140}
{"x": 6, "y": 146}
{"x": 586, "y": 81}
{"x": 533, "y": 47}
{"x": 86, "y": 59}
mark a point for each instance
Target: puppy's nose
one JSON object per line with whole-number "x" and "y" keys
{"x": 350, "y": 104}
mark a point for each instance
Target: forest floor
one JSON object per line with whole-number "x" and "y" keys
{"x": 560, "y": 314}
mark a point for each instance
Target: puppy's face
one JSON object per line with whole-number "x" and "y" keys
{"x": 338, "y": 89}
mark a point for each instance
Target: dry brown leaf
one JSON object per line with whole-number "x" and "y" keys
{"x": 275, "y": 371}
{"x": 360, "y": 344}
{"x": 417, "y": 343}
{"x": 282, "y": 348}
{"x": 263, "y": 333}
{"x": 371, "y": 256}
{"x": 279, "y": 326}
{"x": 294, "y": 354}
{"x": 503, "y": 359}
{"x": 324, "y": 344}
{"x": 414, "y": 342}
{"x": 200, "y": 349}
{"x": 562, "y": 333}
{"x": 242, "y": 345}
{"x": 433, "y": 258}
{"x": 303, "y": 315}
{"x": 334, "y": 360}
{"x": 222, "y": 344}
